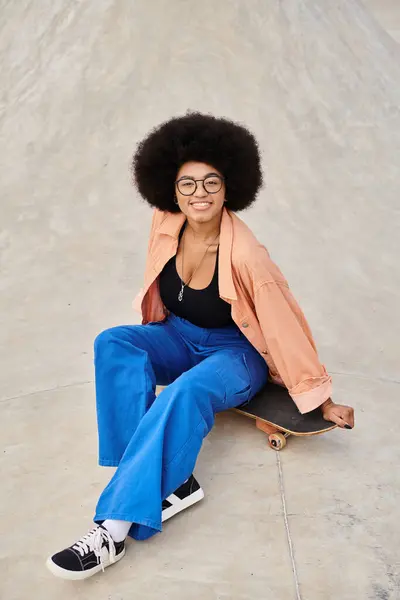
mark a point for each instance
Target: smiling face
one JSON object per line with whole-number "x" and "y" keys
{"x": 205, "y": 203}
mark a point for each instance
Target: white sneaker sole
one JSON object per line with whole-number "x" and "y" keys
{"x": 79, "y": 575}
{"x": 180, "y": 505}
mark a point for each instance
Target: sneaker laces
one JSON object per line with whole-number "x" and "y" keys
{"x": 93, "y": 542}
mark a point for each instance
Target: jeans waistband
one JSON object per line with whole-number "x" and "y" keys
{"x": 202, "y": 335}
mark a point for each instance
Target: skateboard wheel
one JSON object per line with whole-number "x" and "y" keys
{"x": 277, "y": 441}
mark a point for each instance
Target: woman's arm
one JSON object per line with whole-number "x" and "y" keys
{"x": 293, "y": 351}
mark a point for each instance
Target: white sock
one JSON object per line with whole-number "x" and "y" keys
{"x": 117, "y": 529}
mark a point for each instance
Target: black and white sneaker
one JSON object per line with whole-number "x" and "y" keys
{"x": 89, "y": 555}
{"x": 186, "y": 495}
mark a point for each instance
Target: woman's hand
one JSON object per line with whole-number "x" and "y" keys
{"x": 339, "y": 414}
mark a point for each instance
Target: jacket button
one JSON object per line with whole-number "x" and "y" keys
{"x": 244, "y": 325}
{"x": 264, "y": 352}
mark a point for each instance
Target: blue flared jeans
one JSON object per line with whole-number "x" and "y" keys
{"x": 154, "y": 441}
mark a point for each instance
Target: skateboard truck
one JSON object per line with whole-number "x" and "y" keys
{"x": 276, "y": 439}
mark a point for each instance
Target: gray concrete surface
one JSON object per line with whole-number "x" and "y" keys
{"x": 319, "y": 83}
{"x": 387, "y": 13}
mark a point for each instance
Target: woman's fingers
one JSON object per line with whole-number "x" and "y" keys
{"x": 343, "y": 416}
{"x": 337, "y": 419}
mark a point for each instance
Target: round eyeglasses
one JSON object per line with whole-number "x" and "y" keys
{"x": 188, "y": 186}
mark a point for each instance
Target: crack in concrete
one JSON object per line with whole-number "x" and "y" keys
{"x": 67, "y": 385}
{"x": 286, "y": 521}
{"x": 53, "y": 389}
{"x": 361, "y": 376}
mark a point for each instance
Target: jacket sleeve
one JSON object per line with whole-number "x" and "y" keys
{"x": 291, "y": 346}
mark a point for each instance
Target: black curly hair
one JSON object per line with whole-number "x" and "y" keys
{"x": 221, "y": 143}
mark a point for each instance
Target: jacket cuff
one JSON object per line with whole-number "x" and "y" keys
{"x": 313, "y": 398}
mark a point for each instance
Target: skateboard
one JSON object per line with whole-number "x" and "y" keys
{"x": 276, "y": 414}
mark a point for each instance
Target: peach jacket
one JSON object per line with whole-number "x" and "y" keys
{"x": 263, "y": 306}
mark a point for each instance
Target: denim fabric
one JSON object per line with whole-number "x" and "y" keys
{"x": 155, "y": 441}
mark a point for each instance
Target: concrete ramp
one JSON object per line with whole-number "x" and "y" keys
{"x": 387, "y": 13}
{"x": 319, "y": 84}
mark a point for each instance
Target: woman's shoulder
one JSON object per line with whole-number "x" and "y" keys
{"x": 250, "y": 256}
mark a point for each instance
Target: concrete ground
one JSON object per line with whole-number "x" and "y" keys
{"x": 319, "y": 83}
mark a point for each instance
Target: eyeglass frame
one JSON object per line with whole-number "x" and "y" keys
{"x": 185, "y": 178}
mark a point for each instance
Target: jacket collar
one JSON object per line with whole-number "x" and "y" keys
{"x": 171, "y": 226}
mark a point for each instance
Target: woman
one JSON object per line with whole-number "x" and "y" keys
{"x": 218, "y": 318}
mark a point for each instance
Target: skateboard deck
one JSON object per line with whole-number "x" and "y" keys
{"x": 276, "y": 414}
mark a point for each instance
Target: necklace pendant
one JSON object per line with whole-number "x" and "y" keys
{"x": 180, "y": 295}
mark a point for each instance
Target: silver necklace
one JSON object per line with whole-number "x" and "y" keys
{"x": 183, "y": 284}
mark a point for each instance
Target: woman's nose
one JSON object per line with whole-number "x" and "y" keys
{"x": 201, "y": 190}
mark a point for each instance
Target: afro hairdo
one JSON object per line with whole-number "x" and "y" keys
{"x": 221, "y": 143}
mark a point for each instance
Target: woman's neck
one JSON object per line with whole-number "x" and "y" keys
{"x": 204, "y": 232}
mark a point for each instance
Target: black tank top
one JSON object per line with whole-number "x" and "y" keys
{"x": 203, "y": 308}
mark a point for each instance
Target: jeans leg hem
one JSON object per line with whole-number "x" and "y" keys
{"x": 129, "y": 518}
{"x": 108, "y": 463}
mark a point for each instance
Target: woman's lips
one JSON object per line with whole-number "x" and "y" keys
{"x": 200, "y": 205}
